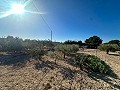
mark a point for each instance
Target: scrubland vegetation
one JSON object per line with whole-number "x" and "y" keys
{"x": 69, "y": 52}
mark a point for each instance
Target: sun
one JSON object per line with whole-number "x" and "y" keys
{"x": 17, "y": 9}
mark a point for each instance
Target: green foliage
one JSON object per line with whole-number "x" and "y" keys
{"x": 114, "y": 42}
{"x": 11, "y": 44}
{"x": 79, "y": 59}
{"x": 95, "y": 64}
{"x": 90, "y": 62}
{"x": 55, "y": 54}
{"x": 93, "y": 42}
{"x": 36, "y": 53}
{"x": 67, "y": 49}
{"x": 73, "y": 42}
{"x": 109, "y": 47}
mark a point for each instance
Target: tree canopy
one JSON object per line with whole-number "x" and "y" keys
{"x": 93, "y": 42}
{"x": 114, "y": 42}
{"x": 74, "y": 42}
{"x": 67, "y": 49}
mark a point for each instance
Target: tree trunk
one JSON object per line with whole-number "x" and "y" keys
{"x": 39, "y": 57}
{"x": 107, "y": 51}
{"x": 64, "y": 55}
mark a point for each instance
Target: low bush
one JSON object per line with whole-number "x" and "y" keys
{"x": 55, "y": 54}
{"x": 90, "y": 62}
{"x": 95, "y": 64}
{"x": 36, "y": 53}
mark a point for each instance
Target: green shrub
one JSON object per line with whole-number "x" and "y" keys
{"x": 109, "y": 47}
{"x": 95, "y": 64}
{"x": 90, "y": 62}
{"x": 36, "y": 53}
{"x": 55, "y": 54}
{"x": 67, "y": 49}
{"x": 79, "y": 59}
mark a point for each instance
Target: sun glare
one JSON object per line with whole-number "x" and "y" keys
{"x": 17, "y": 9}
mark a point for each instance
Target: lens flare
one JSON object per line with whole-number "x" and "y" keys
{"x": 16, "y": 8}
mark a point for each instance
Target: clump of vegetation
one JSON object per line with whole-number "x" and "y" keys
{"x": 67, "y": 49}
{"x": 13, "y": 44}
{"x": 10, "y": 44}
{"x": 55, "y": 54}
{"x": 95, "y": 64}
{"x": 109, "y": 47}
{"x": 90, "y": 62}
{"x": 70, "y": 42}
{"x": 93, "y": 42}
{"x": 36, "y": 53}
{"x": 114, "y": 42}
{"x": 79, "y": 60}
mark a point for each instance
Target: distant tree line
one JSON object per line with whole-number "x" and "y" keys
{"x": 74, "y": 42}
{"x": 114, "y": 42}
{"x": 92, "y": 42}
{"x": 16, "y": 44}
{"x": 95, "y": 42}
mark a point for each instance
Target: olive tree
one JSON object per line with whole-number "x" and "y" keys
{"x": 67, "y": 49}
{"x": 109, "y": 47}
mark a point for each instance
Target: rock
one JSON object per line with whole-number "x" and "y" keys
{"x": 47, "y": 86}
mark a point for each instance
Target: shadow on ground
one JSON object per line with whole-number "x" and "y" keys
{"x": 66, "y": 72}
{"x": 16, "y": 60}
{"x": 105, "y": 78}
{"x": 115, "y": 54}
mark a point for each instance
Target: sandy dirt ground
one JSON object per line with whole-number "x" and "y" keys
{"x": 48, "y": 75}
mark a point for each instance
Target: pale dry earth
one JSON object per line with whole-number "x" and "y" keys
{"x": 48, "y": 75}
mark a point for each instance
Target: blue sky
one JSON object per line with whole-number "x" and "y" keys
{"x": 69, "y": 20}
